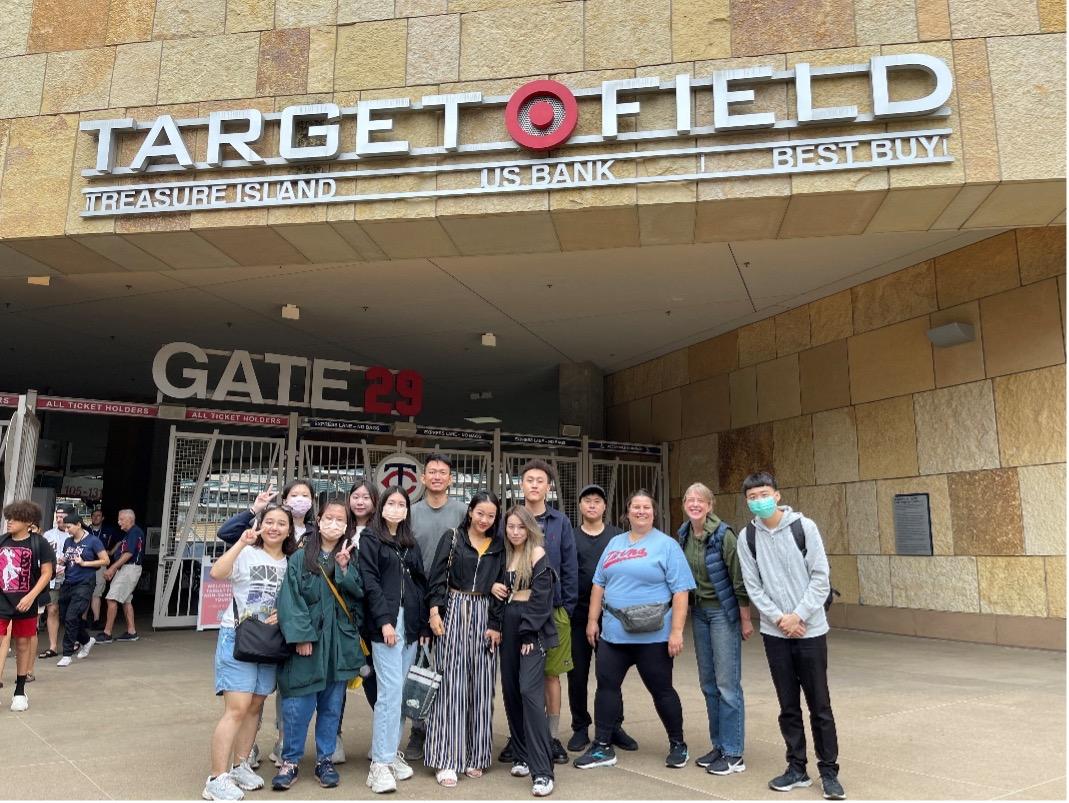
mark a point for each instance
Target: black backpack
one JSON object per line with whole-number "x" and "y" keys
{"x": 799, "y": 539}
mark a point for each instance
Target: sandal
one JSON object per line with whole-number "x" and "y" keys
{"x": 31, "y": 678}
{"x": 473, "y": 772}
{"x": 446, "y": 778}
{"x": 49, "y": 653}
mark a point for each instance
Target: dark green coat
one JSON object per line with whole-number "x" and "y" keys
{"x": 308, "y": 611}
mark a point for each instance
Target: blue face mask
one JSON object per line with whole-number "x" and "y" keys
{"x": 763, "y": 508}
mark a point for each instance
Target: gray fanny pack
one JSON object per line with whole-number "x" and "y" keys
{"x": 647, "y": 618}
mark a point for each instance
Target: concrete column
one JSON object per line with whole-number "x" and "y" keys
{"x": 581, "y": 389}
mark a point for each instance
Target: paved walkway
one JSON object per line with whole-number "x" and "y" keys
{"x": 917, "y": 719}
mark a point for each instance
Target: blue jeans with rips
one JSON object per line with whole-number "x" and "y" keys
{"x": 718, "y": 645}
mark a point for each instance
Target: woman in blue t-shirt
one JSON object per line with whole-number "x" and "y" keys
{"x": 643, "y": 582}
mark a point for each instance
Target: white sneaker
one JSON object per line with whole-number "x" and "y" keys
{"x": 276, "y": 754}
{"x": 380, "y": 779}
{"x": 20, "y": 702}
{"x": 222, "y": 787}
{"x": 242, "y": 775}
{"x": 254, "y": 756}
{"x": 400, "y": 768}
{"x": 84, "y": 651}
{"x": 64, "y": 661}
{"x": 542, "y": 787}
{"x": 519, "y": 770}
{"x": 339, "y": 753}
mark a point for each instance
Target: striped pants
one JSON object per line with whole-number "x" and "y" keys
{"x": 459, "y": 728}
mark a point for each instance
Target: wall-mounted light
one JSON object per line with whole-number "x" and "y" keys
{"x": 39, "y": 281}
{"x": 291, "y": 312}
{"x": 951, "y": 334}
{"x": 489, "y": 340}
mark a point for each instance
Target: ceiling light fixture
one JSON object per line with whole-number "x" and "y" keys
{"x": 483, "y": 419}
{"x": 40, "y": 281}
{"x": 489, "y": 340}
{"x": 291, "y": 312}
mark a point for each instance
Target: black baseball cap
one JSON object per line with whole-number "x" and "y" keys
{"x": 594, "y": 488}
{"x": 73, "y": 518}
{"x": 65, "y": 507}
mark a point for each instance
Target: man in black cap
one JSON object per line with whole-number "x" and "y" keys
{"x": 591, "y": 537}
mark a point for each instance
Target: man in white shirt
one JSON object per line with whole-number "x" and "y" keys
{"x": 57, "y": 537}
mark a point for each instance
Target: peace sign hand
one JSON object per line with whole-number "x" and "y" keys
{"x": 343, "y": 555}
{"x": 263, "y": 498}
{"x": 249, "y": 536}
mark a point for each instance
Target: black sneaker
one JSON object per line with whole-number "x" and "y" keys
{"x": 327, "y": 775}
{"x": 580, "y": 739}
{"x": 725, "y": 765}
{"x": 677, "y": 755}
{"x": 287, "y": 775}
{"x": 104, "y": 638}
{"x": 597, "y": 755}
{"x": 708, "y": 758}
{"x": 559, "y": 754}
{"x": 507, "y": 756}
{"x": 128, "y": 637}
{"x": 621, "y": 739}
{"x": 791, "y": 779}
{"x": 414, "y": 748}
{"x": 833, "y": 790}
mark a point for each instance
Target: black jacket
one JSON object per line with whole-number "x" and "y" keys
{"x": 536, "y": 624}
{"x": 392, "y": 575}
{"x": 471, "y": 572}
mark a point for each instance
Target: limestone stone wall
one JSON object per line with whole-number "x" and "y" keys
{"x": 848, "y": 403}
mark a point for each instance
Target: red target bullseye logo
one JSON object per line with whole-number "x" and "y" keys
{"x": 541, "y": 115}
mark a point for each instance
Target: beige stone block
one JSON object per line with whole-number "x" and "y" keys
{"x": 826, "y": 215}
{"x": 219, "y": 68}
{"x": 701, "y": 29}
{"x": 1030, "y": 409}
{"x": 698, "y": 461}
{"x": 1014, "y": 586}
{"x": 1052, "y": 15}
{"x": 17, "y": 16}
{"x": 530, "y": 40}
{"x": 965, "y": 361}
{"x": 792, "y": 331}
{"x": 891, "y": 361}
{"x": 622, "y": 33}
{"x": 674, "y": 369}
{"x": 964, "y": 205}
{"x": 365, "y": 10}
{"x": 1022, "y": 329}
{"x": 37, "y": 169}
{"x": 181, "y": 249}
{"x": 319, "y": 242}
{"x": 78, "y": 80}
{"x": 305, "y": 13}
{"x": 977, "y": 270}
{"x": 824, "y": 377}
{"x": 53, "y": 27}
{"x": 666, "y": 416}
{"x": 1028, "y": 110}
{"x": 283, "y": 62}
{"x": 419, "y": 8}
{"x": 758, "y": 26}
{"x": 956, "y": 429}
{"x": 738, "y": 218}
{"x": 1055, "y": 586}
{"x": 778, "y": 390}
{"x": 874, "y": 580}
{"x": 1042, "y": 489}
{"x": 757, "y": 342}
{"x": 835, "y": 446}
{"x": 971, "y": 19}
{"x": 706, "y": 406}
{"x": 862, "y": 523}
{"x": 597, "y": 228}
{"x": 831, "y": 318}
{"x": 976, "y": 108}
{"x": 978, "y": 498}
{"x": 935, "y": 583}
{"x": 826, "y": 505}
{"x": 1061, "y": 297}
{"x": 136, "y": 74}
{"x": 666, "y": 224}
{"x": 1026, "y": 203}
{"x": 321, "y": 51}
{"x": 880, "y": 22}
{"x": 844, "y": 578}
{"x": 640, "y": 420}
{"x": 742, "y": 452}
{"x": 179, "y": 19}
{"x": 531, "y": 232}
{"x": 649, "y": 378}
{"x": 433, "y": 49}
{"x": 743, "y": 397}
{"x": 717, "y": 355}
{"x": 935, "y": 486}
{"x": 933, "y": 20}
{"x": 1041, "y": 253}
{"x": 897, "y": 297}
{"x": 409, "y": 239}
{"x": 915, "y": 209}
{"x": 886, "y": 439}
{"x": 250, "y": 15}
{"x": 370, "y": 55}
{"x": 793, "y": 451}
{"x": 22, "y": 81}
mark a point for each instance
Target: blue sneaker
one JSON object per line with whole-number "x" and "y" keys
{"x": 287, "y": 776}
{"x": 597, "y": 755}
{"x": 327, "y": 775}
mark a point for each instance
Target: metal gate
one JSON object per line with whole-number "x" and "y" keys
{"x": 564, "y": 494}
{"x": 210, "y": 477}
{"x": 619, "y": 477}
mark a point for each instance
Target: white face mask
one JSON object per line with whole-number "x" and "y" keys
{"x": 300, "y": 505}
{"x": 394, "y": 513}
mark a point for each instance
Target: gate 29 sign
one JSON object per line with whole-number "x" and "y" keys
{"x": 187, "y": 371}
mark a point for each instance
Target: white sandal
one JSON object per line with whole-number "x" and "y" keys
{"x": 446, "y": 778}
{"x": 473, "y": 772}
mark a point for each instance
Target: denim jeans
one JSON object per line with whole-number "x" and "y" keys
{"x": 297, "y": 716}
{"x": 391, "y": 667}
{"x": 718, "y": 645}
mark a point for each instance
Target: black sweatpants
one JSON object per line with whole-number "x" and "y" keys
{"x": 654, "y": 667}
{"x": 523, "y": 687}
{"x": 74, "y": 599}
{"x": 800, "y": 665}
{"x": 578, "y": 676}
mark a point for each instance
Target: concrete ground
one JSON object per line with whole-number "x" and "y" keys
{"x": 917, "y": 719}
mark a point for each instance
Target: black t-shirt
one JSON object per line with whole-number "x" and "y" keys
{"x": 588, "y": 550}
{"x": 20, "y": 569}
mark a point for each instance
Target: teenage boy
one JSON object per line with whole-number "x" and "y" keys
{"x": 591, "y": 537}
{"x": 57, "y": 537}
{"x": 82, "y": 555}
{"x": 123, "y": 574}
{"x": 27, "y": 562}
{"x": 431, "y": 517}
{"x": 789, "y": 585}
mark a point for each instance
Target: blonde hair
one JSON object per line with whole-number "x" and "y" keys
{"x": 701, "y": 490}
{"x": 535, "y": 538}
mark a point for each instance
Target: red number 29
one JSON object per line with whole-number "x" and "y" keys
{"x": 381, "y": 384}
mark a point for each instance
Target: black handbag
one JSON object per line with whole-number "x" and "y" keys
{"x": 258, "y": 642}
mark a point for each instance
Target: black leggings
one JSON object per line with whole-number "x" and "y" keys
{"x": 654, "y": 667}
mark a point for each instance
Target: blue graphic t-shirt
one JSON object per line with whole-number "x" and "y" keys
{"x": 89, "y": 548}
{"x": 134, "y": 543}
{"x": 649, "y": 570}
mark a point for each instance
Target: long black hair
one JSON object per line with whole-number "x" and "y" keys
{"x": 289, "y": 545}
{"x": 310, "y": 516}
{"x": 378, "y": 525}
{"x": 312, "y": 542}
{"x": 372, "y": 492}
{"x": 478, "y": 499}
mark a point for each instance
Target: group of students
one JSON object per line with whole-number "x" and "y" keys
{"x": 359, "y": 588}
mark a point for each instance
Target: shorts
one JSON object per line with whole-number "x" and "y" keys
{"x": 559, "y": 658}
{"x": 20, "y": 628}
{"x": 124, "y": 583}
{"x": 53, "y": 596}
{"x": 234, "y": 675}
{"x": 98, "y": 589}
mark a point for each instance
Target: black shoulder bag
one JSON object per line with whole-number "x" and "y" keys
{"x": 258, "y": 642}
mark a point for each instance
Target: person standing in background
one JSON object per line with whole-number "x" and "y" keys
{"x": 124, "y": 574}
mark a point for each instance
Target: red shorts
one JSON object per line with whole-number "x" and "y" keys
{"x": 20, "y": 628}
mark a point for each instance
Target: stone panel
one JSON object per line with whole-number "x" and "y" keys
{"x": 844, "y": 578}
{"x": 742, "y": 452}
{"x": 322, "y": 44}
{"x": 283, "y": 62}
{"x": 1042, "y": 498}
{"x": 701, "y": 29}
{"x": 793, "y": 451}
{"x": 136, "y": 74}
{"x": 1055, "y": 587}
{"x": 831, "y": 318}
{"x": 981, "y": 269}
{"x": 627, "y": 33}
{"x": 1014, "y": 586}
{"x": 912, "y": 208}
{"x": 698, "y": 462}
{"x": 433, "y": 49}
{"x": 1028, "y": 110}
{"x": 757, "y": 342}
{"x": 933, "y": 20}
{"x": 250, "y": 15}
{"x": 77, "y": 80}
{"x": 219, "y": 68}
{"x": 419, "y": 8}
{"x": 826, "y": 505}
{"x": 976, "y": 108}
{"x": 674, "y": 369}
{"x": 935, "y": 583}
{"x": 370, "y": 55}
{"x": 22, "y": 81}
{"x": 130, "y": 21}
{"x": 985, "y": 508}
{"x": 304, "y": 13}
{"x": 758, "y": 26}
{"x": 862, "y": 523}
{"x": 825, "y": 377}
{"x": 835, "y": 446}
{"x": 743, "y": 385}
{"x": 37, "y": 169}
{"x": 1022, "y": 329}
{"x": 964, "y": 362}
{"x": 717, "y": 355}
{"x": 1030, "y": 410}
{"x": 54, "y": 27}
{"x": 778, "y": 393}
{"x": 897, "y": 297}
{"x": 874, "y": 580}
{"x": 366, "y": 10}
{"x": 706, "y": 406}
{"x": 956, "y": 429}
{"x": 667, "y": 416}
{"x": 886, "y": 439}
{"x": 1041, "y": 253}
{"x": 884, "y": 21}
{"x": 180, "y": 19}
{"x": 792, "y": 330}
{"x": 972, "y": 19}
{"x": 18, "y": 16}
{"x": 891, "y": 361}
{"x": 640, "y": 420}
{"x": 533, "y": 40}
{"x": 1052, "y": 15}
